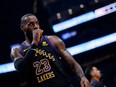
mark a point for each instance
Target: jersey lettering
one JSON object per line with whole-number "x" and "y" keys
{"x": 46, "y": 76}
{"x": 45, "y": 54}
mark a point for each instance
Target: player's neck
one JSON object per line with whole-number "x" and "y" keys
{"x": 27, "y": 41}
{"x": 28, "y": 37}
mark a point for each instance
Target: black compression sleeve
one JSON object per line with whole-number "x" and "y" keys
{"x": 22, "y": 64}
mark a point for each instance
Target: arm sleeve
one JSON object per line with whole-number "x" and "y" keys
{"x": 22, "y": 64}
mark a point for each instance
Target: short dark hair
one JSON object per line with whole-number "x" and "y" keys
{"x": 88, "y": 71}
{"x": 26, "y": 15}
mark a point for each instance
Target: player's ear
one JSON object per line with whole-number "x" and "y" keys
{"x": 21, "y": 27}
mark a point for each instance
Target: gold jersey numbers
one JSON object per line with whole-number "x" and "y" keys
{"x": 43, "y": 70}
{"x": 42, "y": 66}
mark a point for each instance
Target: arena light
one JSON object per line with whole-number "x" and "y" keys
{"x": 84, "y": 18}
{"x": 92, "y": 44}
{"x": 8, "y": 67}
{"x": 105, "y": 10}
{"x": 73, "y": 22}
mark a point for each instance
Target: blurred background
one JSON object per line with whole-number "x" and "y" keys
{"x": 88, "y": 28}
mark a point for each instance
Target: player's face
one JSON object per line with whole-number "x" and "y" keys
{"x": 96, "y": 72}
{"x": 31, "y": 23}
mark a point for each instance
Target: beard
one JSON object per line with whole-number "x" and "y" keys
{"x": 29, "y": 35}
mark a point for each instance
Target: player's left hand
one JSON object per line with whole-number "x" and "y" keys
{"x": 84, "y": 82}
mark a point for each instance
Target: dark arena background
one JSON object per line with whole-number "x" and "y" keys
{"x": 88, "y": 28}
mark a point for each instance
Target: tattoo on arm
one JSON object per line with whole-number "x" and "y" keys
{"x": 69, "y": 59}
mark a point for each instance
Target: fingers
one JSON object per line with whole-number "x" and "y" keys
{"x": 41, "y": 32}
{"x": 38, "y": 32}
{"x": 85, "y": 83}
{"x": 36, "y": 36}
{"x": 82, "y": 85}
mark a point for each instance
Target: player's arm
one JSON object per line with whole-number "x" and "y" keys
{"x": 21, "y": 62}
{"x": 70, "y": 60}
{"x": 67, "y": 56}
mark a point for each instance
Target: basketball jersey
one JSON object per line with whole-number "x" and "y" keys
{"x": 46, "y": 69}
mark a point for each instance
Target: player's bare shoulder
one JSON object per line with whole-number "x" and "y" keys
{"x": 56, "y": 41}
{"x": 54, "y": 38}
{"x": 15, "y": 52}
{"x": 15, "y": 48}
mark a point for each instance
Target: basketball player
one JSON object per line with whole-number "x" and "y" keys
{"x": 39, "y": 57}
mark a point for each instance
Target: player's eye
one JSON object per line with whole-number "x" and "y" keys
{"x": 30, "y": 24}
